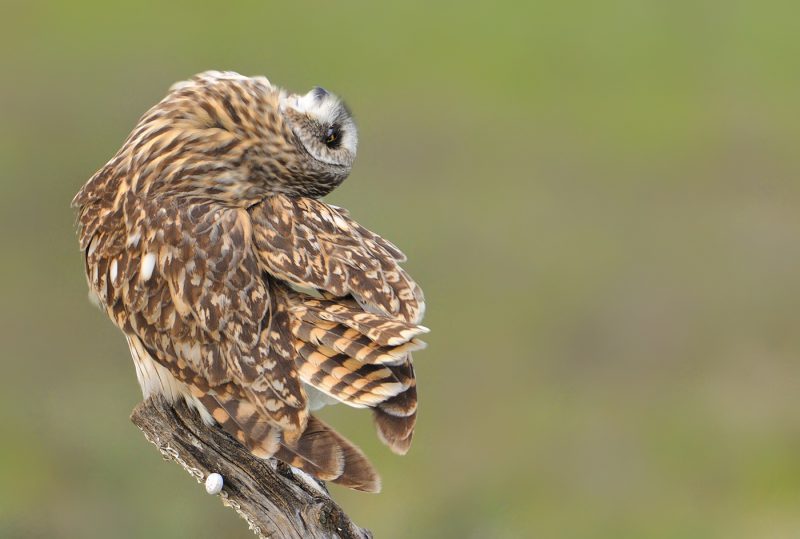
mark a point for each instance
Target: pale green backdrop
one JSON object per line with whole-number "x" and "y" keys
{"x": 600, "y": 199}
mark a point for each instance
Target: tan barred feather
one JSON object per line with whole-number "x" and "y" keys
{"x": 395, "y": 431}
{"x": 320, "y": 451}
{"x": 357, "y": 472}
{"x": 242, "y": 420}
{"x": 349, "y": 366}
{"x": 351, "y": 343}
{"x": 353, "y": 471}
{"x": 315, "y": 452}
{"x": 197, "y": 235}
{"x": 379, "y": 329}
{"x": 395, "y": 417}
{"x": 345, "y": 379}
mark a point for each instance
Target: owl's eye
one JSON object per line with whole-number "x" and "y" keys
{"x": 333, "y": 137}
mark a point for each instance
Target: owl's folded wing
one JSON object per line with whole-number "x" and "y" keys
{"x": 354, "y": 342}
{"x": 313, "y": 245}
{"x": 182, "y": 280}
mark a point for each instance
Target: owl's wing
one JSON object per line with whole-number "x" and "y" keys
{"x": 184, "y": 281}
{"x": 354, "y": 342}
{"x": 314, "y": 245}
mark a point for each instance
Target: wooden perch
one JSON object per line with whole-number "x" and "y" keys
{"x": 268, "y": 494}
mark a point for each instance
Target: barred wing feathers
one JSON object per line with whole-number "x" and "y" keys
{"x": 354, "y": 342}
{"x": 311, "y": 244}
{"x": 203, "y": 291}
{"x": 183, "y": 281}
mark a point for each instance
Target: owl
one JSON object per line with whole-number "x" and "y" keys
{"x": 241, "y": 292}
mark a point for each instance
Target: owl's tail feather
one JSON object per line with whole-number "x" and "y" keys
{"x": 395, "y": 417}
{"x": 361, "y": 359}
{"x": 352, "y": 470}
{"x": 319, "y": 451}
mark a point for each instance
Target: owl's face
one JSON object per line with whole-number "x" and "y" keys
{"x": 236, "y": 139}
{"x": 323, "y": 125}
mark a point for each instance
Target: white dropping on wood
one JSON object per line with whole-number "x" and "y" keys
{"x": 214, "y": 483}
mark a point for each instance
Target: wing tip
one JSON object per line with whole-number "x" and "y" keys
{"x": 395, "y": 432}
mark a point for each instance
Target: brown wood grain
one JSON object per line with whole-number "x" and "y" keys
{"x": 275, "y": 502}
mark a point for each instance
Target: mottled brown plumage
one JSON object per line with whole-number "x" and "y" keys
{"x": 239, "y": 291}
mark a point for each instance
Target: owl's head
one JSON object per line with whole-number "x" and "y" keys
{"x": 237, "y": 139}
{"x": 324, "y": 125}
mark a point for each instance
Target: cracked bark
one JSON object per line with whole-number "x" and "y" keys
{"x": 275, "y": 502}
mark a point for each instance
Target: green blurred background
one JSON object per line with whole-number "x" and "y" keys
{"x": 600, "y": 200}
